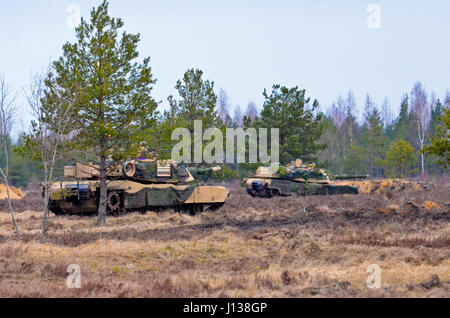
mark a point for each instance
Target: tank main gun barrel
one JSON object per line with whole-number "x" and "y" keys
{"x": 203, "y": 173}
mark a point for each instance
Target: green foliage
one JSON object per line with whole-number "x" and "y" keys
{"x": 355, "y": 160}
{"x": 4, "y": 139}
{"x": 373, "y": 136}
{"x": 226, "y": 174}
{"x": 111, "y": 90}
{"x": 431, "y": 164}
{"x": 23, "y": 171}
{"x": 435, "y": 119}
{"x": 197, "y": 102}
{"x": 355, "y": 149}
{"x": 300, "y": 128}
{"x": 21, "y": 168}
{"x": 402, "y": 126}
{"x": 103, "y": 93}
{"x": 246, "y": 170}
{"x": 105, "y": 87}
{"x": 330, "y": 157}
{"x": 440, "y": 144}
{"x": 400, "y": 159}
{"x": 282, "y": 171}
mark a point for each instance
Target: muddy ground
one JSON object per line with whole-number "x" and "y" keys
{"x": 319, "y": 246}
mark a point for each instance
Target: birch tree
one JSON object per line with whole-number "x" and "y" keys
{"x": 420, "y": 110}
{"x": 49, "y": 135}
{"x": 7, "y": 113}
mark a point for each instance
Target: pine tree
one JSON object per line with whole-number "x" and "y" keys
{"x": 402, "y": 125}
{"x": 440, "y": 144}
{"x": 329, "y": 157}
{"x": 373, "y": 136}
{"x": 354, "y": 162}
{"x": 400, "y": 159}
{"x": 437, "y": 110}
{"x": 197, "y": 102}
{"x": 300, "y": 128}
{"x": 111, "y": 90}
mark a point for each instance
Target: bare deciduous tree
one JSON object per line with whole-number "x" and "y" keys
{"x": 252, "y": 111}
{"x": 223, "y": 106}
{"x": 237, "y": 118}
{"x": 49, "y": 129}
{"x": 350, "y": 120}
{"x": 420, "y": 110}
{"x": 338, "y": 112}
{"x": 447, "y": 100}
{"x": 386, "y": 112}
{"x": 7, "y": 113}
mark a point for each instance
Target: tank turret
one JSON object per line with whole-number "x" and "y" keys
{"x": 136, "y": 184}
{"x": 141, "y": 170}
{"x": 296, "y": 178}
{"x": 204, "y": 174}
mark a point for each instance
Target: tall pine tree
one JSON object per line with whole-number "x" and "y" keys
{"x": 300, "y": 126}
{"x": 111, "y": 89}
{"x": 373, "y": 136}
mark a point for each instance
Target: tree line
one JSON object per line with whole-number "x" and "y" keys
{"x": 95, "y": 103}
{"x": 384, "y": 145}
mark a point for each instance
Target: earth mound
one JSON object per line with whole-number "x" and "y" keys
{"x": 388, "y": 185}
{"x": 14, "y": 193}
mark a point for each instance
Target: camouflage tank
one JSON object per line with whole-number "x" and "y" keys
{"x": 297, "y": 179}
{"x": 138, "y": 184}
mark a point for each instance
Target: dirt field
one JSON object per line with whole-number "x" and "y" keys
{"x": 252, "y": 247}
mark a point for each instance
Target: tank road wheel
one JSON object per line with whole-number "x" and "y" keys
{"x": 54, "y": 207}
{"x": 196, "y": 208}
{"x": 56, "y": 211}
{"x": 114, "y": 203}
{"x": 268, "y": 192}
{"x": 274, "y": 192}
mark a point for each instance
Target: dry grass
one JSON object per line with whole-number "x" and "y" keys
{"x": 280, "y": 247}
{"x": 14, "y": 193}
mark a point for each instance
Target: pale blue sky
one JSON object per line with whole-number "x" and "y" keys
{"x": 248, "y": 45}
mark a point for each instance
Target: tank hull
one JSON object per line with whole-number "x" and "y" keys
{"x": 267, "y": 187}
{"x": 125, "y": 195}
